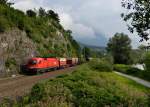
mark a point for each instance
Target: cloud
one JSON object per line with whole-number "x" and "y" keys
{"x": 82, "y": 31}
{"x": 66, "y": 20}
{"x": 92, "y": 21}
{"x": 79, "y": 30}
{"x": 25, "y": 4}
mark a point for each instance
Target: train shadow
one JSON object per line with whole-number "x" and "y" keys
{"x": 24, "y": 71}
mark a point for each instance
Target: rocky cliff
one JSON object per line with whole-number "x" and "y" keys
{"x": 15, "y": 48}
{"x": 23, "y": 37}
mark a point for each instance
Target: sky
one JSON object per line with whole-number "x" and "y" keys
{"x": 92, "y": 22}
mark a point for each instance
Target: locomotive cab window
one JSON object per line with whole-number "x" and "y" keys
{"x": 32, "y": 62}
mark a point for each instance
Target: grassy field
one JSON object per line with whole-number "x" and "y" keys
{"x": 86, "y": 88}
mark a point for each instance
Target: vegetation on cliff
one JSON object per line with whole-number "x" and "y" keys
{"x": 42, "y": 28}
{"x": 38, "y": 32}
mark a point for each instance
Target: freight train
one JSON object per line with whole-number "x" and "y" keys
{"x": 40, "y": 65}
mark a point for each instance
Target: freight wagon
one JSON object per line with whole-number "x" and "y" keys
{"x": 62, "y": 62}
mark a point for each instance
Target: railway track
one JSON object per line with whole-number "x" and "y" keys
{"x": 21, "y": 85}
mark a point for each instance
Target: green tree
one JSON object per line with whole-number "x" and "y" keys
{"x": 138, "y": 16}
{"x": 142, "y": 47}
{"x": 53, "y": 15}
{"x": 147, "y": 61}
{"x": 42, "y": 12}
{"x": 97, "y": 54}
{"x": 86, "y": 53}
{"x": 74, "y": 43}
{"x": 119, "y": 47}
{"x": 31, "y": 13}
{"x": 137, "y": 56}
{"x": 6, "y": 2}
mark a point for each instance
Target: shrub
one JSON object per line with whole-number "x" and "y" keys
{"x": 20, "y": 23}
{"x": 52, "y": 29}
{"x": 28, "y": 30}
{"x": 121, "y": 68}
{"x": 86, "y": 88}
{"x": 133, "y": 70}
{"x": 147, "y": 61}
{"x": 45, "y": 33}
{"x": 31, "y": 13}
{"x": 3, "y": 24}
{"x": 36, "y": 38}
{"x": 127, "y": 69}
{"x": 37, "y": 92}
{"x": 101, "y": 65}
{"x": 145, "y": 75}
{"x": 9, "y": 62}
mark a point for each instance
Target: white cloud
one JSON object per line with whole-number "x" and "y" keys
{"x": 79, "y": 30}
{"x": 82, "y": 31}
{"x": 86, "y": 18}
{"x": 25, "y": 4}
{"x": 66, "y": 20}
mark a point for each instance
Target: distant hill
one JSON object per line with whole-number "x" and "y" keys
{"x": 93, "y": 48}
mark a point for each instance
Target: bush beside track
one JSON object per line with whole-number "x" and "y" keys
{"x": 128, "y": 69}
{"x": 86, "y": 87}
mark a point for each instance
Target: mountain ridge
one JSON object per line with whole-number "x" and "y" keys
{"x": 93, "y": 47}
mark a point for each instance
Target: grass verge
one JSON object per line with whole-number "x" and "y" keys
{"x": 86, "y": 88}
{"x": 128, "y": 69}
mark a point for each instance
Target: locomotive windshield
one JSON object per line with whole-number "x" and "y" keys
{"x": 32, "y": 62}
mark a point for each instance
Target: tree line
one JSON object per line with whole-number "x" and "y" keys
{"x": 43, "y": 13}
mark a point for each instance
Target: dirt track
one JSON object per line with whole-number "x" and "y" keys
{"x": 18, "y": 86}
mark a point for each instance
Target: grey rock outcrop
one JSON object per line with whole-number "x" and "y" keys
{"x": 15, "y": 49}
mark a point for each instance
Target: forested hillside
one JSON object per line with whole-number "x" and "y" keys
{"x": 34, "y": 33}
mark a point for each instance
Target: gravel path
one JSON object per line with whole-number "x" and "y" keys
{"x": 138, "y": 80}
{"x": 18, "y": 86}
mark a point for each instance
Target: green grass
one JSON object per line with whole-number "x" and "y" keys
{"x": 128, "y": 69}
{"x": 86, "y": 87}
{"x": 133, "y": 84}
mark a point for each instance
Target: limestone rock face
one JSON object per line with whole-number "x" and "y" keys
{"x": 23, "y": 37}
{"x": 15, "y": 49}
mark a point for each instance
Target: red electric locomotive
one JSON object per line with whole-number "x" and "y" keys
{"x": 37, "y": 65}
{"x": 42, "y": 64}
